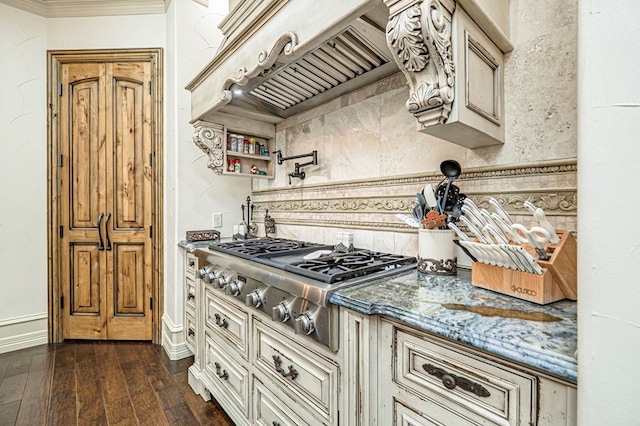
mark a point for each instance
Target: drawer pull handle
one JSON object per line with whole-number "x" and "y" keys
{"x": 274, "y": 423}
{"x": 191, "y": 296}
{"x": 450, "y": 381}
{"x": 192, "y": 263}
{"x": 221, "y": 322}
{"x": 191, "y": 332}
{"x": 224, "y": 375}
{"x": 292, "y": 371}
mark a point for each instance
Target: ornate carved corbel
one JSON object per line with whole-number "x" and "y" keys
{"x": 419, "y": 36}
{"x": 209, "y": 138}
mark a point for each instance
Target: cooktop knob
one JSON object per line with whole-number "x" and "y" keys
{"x": 210, "y": 276}
{"x": 255, "y": 298}
{"x": 200, "y": 273}
{"x": 305, "y": 324}
{"x": 234, "y": 288}
{"x": 281, "y": 312}
{"x": 224, "y": 280}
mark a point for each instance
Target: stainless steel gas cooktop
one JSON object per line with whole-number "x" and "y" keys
{"x": 291, "y": 280}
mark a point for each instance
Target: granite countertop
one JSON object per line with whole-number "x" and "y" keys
{"x": 193, "y": 245}
{"x": 544, "y": 337}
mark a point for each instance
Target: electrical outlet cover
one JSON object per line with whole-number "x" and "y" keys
{"x": 217, "y": 220}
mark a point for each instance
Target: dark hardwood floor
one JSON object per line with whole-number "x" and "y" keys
{"x": 100, "y": 383}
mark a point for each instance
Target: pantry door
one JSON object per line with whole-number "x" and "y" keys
{"x": 106, "y": 193}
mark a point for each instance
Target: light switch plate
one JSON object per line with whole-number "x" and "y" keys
{"x": 216, "y": 218}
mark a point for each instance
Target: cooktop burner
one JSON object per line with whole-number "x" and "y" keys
{"x": 336, "y": 267}
{"x": 248, "y": 249}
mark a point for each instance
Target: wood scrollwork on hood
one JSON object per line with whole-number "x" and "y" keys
{"x": 419, "y": 36}
{"x": 209, "y": 138}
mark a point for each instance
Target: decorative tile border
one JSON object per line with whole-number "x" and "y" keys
{"x": 549, "y": 185}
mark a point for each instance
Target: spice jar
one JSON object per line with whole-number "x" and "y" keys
{"x": 239, "y": 143}
{"x": 233, "y": 142}
{"x": 252, "y": 145}
{"x": 232, "y": 165}
{"x": 237, "y": 166}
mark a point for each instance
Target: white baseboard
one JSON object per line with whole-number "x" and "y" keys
{"x": 173, "y": 341}
{"x": 23, "y": 332}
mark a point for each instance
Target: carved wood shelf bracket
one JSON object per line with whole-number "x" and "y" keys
{"x": 209, "y": 137}
{"x": 419, "y": 36}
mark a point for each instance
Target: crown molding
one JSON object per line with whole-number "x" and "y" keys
{"x": 86, "y": 8}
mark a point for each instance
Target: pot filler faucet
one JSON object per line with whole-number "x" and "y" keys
{"x": 297, "y": 173}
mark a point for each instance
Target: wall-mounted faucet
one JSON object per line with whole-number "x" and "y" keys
{"x": 297, "y": 173}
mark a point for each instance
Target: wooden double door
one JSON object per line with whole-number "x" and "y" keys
{"x": 106, "y": 211}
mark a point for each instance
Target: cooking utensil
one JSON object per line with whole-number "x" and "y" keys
{"x": 433, "y": 219}
{"x": 429, "y": 196}
{"x": 418, "y": 214}
{"x": 316, "y": 254}
{"x": 451, "y": 169}
{"x": 408, "y": 220}
{"x": 423, "y": 203}
{"x": 501, "y": 211}
{"x": 536, "y": 236}
{"x": 540, "y": 216}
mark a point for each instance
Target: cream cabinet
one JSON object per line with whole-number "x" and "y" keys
{"x": 256, "y": 369}
{"x": 423, "y": 379}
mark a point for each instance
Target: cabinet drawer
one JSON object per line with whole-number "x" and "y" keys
{"x": 191, "y": 265}
{"x": 229, "y": 321}
{"x": 309, "y": 379}
{"x": 190, "y": 329}
{"x": 227, "y": 374}
{"x": 268, "y": 410}
{"x": 431, "y": 414}
{"x": 190, "y": 295}
{"x": 429, "y": 366}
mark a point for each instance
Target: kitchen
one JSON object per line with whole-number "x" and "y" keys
{"x": 191, "y": 198}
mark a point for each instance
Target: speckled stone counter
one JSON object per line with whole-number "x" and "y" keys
{"x": 193, "y": 245}
{"x": 544, "y": 337}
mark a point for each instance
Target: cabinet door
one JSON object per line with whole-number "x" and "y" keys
{"x": 269, "y": 410}
{"x": 307, "y": 378}
{"x": 106, "y": 200}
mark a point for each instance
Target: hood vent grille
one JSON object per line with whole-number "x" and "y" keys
{"x": 343, "y": 58}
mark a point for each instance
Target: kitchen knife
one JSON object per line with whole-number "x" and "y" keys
{"x": 506, "y": 229}
{"x": 474, "y": 229}
{"x": 500, "y": 211}
{"x": 526, "y": 257}
{"x": 496, "y": 228}
{"x": 461, "y": 235}
{"x": 474, "y": 217}
{"x": 496, "y": 235}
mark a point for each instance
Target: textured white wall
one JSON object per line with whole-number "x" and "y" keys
{"x": 23, "y": 164}
{"x": 193, "y": 192}
{"x": 608, "y": 182}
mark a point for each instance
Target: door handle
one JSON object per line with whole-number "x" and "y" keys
{"x": 106, "y": 230}
{"x": 101, "y": 245}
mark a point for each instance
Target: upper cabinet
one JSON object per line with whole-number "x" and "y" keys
{"x": 453, "y": 66}
{"x": 282, "y": 57}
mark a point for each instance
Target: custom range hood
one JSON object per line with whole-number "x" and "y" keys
{"x": 282, "y": 57}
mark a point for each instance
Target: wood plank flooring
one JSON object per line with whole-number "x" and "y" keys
{"x": 100, "y": 383}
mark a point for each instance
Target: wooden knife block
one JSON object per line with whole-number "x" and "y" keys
{"x": 558, "y": 280}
